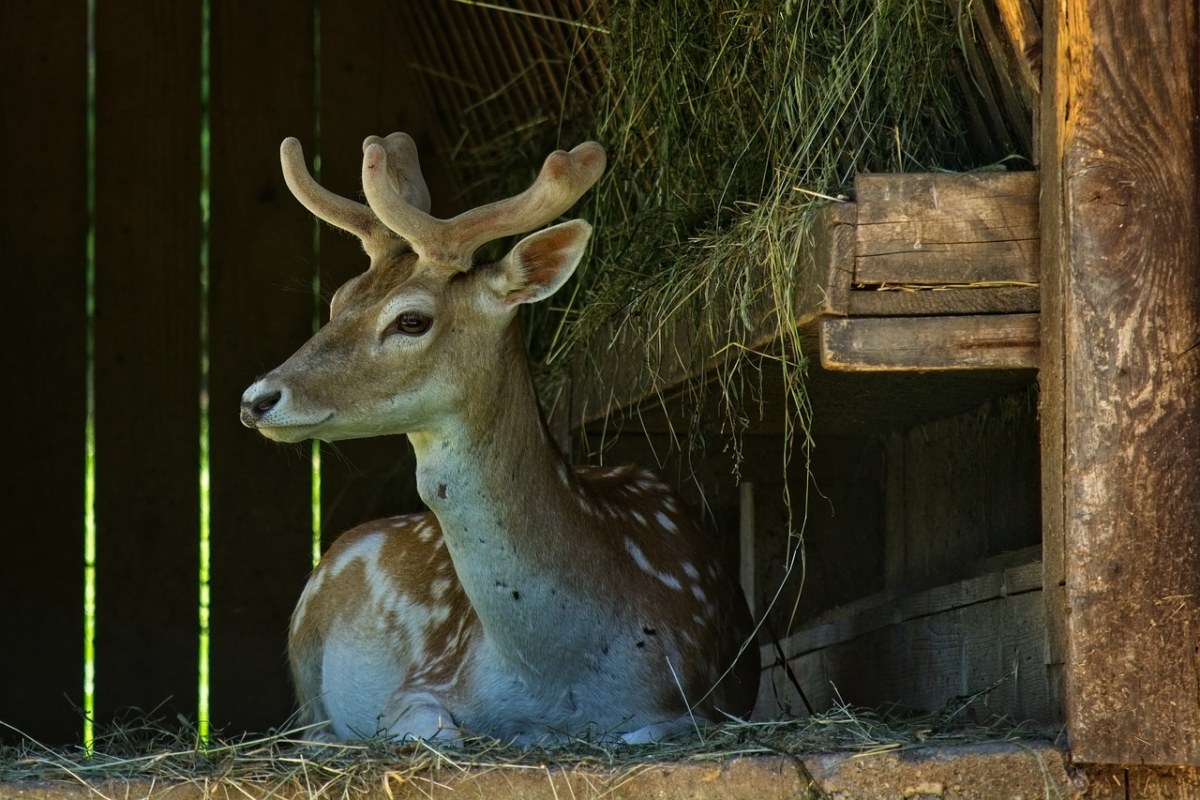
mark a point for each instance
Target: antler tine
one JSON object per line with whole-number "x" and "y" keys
{"x": 563, "y": 180}
{"x": 393, "y": 203}
{"x": 338, "y": 211}
{"x": 404, "y": 168}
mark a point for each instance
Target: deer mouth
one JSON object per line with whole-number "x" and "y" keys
{"x": 288, "y": 431}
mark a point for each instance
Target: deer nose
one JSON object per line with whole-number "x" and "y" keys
{"x": 258, "y": 405}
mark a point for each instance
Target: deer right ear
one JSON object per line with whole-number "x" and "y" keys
{"x": 540, "y": 263}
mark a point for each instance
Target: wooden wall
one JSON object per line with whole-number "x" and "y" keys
{"x": 275, "y": 69}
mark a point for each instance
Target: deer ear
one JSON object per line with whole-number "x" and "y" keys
{"x": 540, "y": 263}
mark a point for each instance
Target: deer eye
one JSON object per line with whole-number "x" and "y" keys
{"x": 409, "y": 323}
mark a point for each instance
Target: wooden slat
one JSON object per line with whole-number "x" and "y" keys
{"x": 261, "y": 310}
{"x": 147, "y": 354}
{"x": 939, "y": 229}
{"x": 925, "y": 649}
{"x": 367, "y": 87}
{"x": 999, "y": 341}
{"x": 1121, "y": 391}
{"x": 43, "y": 224}
{"x": 1023, "y": 31}
{"x": 949, "y": 301}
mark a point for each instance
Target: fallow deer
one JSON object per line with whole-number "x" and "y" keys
{"x": 533, "y": 599}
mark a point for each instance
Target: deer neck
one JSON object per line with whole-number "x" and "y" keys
{"x": 509, "y": 507}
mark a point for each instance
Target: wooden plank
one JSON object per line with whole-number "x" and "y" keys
{"x": 1023, "y": 31}
{"x": 947, "y": 642}
{"x": 970, "y": 488}
{"x": 1121, "y": 415}
{"x": 261, "y": 309}
{"x": 881, "y": 344}
{"x": 943, "y": 301}
{"x": 934, "y": 228}
{"x": 147, "y": 355}
{"x": 43, "y": 49}
{"x": 367, "y": 87}
{"x": 834, "y": 241}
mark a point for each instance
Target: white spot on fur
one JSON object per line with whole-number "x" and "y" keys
{"x": 690, "y": 570}
{"x": 666, "y": 522}
{"x": 698, "y": 593}
{"x": 670, "y": 581}
{"x": 638, "y": 556}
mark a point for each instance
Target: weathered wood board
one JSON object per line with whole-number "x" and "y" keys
{"x": 259, "y": 251}
{"x": 911, "y": 301}
{"x": 946, "y": 229}
{"x": 1120, "y": 375}
{"x": 919, "y": 651}
{"x": 999, "y": 341}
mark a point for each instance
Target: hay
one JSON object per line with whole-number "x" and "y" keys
{"x": 285, "y": 761}
{"x": 729, "y": 125}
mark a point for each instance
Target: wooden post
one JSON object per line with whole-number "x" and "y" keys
{"x": 1120, "y": 375}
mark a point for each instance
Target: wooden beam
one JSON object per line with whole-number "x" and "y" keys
{"x": 939, "y": 229}
{"x": 882, "y": 344}
{"x": 1121, "y": 375}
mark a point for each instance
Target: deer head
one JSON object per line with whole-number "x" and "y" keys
{"x": 391, "y": 359}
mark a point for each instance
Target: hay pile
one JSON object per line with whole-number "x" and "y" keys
{"x": 284, "y": 763}
{"x": 727, "y": 124}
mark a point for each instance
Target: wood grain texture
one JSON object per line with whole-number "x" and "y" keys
{"x": 1121, "y": 311}
{"x": 938, "y": 229}
{"x": 43, "y": 225}
{"x": 923, "y": 650}
{"x": 1115, "y": 782}
{"x": 834, "y": 242}
{"x": 968, "y": 489}
{"x": 1023, "y": 31}
{"x": 947, "y": 301}
{"x": 882, "y": 344}
{"x": 261, "y": 309}
{"x": 147, "y": 356}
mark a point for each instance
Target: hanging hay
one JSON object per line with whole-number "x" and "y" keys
{"x": 729, "y": 125}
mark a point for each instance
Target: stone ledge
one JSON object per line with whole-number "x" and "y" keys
{"x": 983, "y": 771}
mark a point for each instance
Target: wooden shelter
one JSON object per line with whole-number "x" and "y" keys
{"x": 1007, "y": 393}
